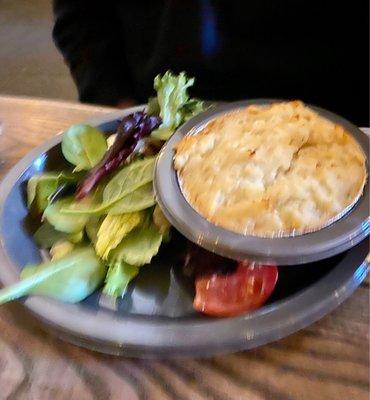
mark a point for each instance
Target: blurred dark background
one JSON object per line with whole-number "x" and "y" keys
{"x": 314, "y": 50}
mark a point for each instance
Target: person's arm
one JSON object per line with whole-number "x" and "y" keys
{"x": 90, "y": 38}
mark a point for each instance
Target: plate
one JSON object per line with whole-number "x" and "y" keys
{"x": 156, "y": 318}
{"x": 341, "y": 235}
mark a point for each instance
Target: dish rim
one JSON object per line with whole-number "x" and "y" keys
{"x": 352, "y": 226}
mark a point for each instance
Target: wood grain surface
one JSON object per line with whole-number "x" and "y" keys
{"x": 328, "y": 360}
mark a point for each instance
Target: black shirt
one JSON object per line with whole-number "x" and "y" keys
{"x": 313, "y": 50}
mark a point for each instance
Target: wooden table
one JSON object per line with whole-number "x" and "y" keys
{"x": 328, "y": 360}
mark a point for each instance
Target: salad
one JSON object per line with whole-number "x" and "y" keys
{"x": 100, "y": 223}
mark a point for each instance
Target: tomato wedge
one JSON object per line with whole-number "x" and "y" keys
{"x": 245, "y": 289}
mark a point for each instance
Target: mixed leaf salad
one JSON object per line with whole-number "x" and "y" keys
{"x": 99, "y": 220}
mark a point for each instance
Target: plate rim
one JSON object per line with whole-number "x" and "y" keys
{"x": 176, "y": 337}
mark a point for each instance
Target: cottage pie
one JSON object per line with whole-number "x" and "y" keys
{"x": 267, "y": 171}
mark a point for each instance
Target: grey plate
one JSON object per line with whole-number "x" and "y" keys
{"x": 156, "y": 318}
{"x": 341, "y": 235}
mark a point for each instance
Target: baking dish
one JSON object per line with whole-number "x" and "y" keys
{"x": 341, "y": 235}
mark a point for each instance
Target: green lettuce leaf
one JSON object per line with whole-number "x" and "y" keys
{"x": 83, "y": 146}
{"x": 92, "y": 228}
{"x": 192, "y": 108}
{"x": 61, "y": 249}
{"x": 70, "y": 279}
{"x": 118, "y": 277}
{"x": 76, "y": 237}
{"x": 153, "y": 106}
{"x": 173, "y": 103}
{"x": 138, "y": 247}
{"x": 113, "y": 229}
{"x": 162, "y": 224}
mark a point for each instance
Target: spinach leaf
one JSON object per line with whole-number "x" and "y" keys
{"x": 70, "y": 279}
{"x": 64, "y": 222}
{"x": 118, "y": 277}
{"x": 129, "y": 179}
{"x": 46, "y": 236}
{"x": 83, "y": 146}
{"x": 139, "y": 199}
{"x": 41, "y": 187}
{"x": 126, "y": 181}
{"x": 92, "y": 204}
{"x": 130, "y": 131}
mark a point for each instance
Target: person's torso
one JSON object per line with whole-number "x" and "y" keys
{"x": 313, "y": 50}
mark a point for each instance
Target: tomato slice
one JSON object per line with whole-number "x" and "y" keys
{"x": 245, "y": 289}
